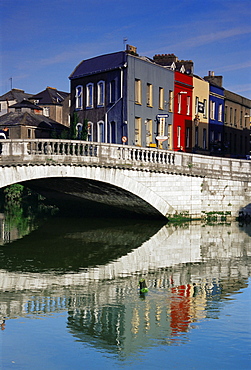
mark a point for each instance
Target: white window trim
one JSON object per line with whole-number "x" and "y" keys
{"x": 138, "y": 91}
{"x": 79, "y": 97}
{"x": 188, "y": 105}
{"x": 89, "y": 98}
{"x": 178, "y": 136}
{"x": 149, "y": 95}
{"x": 205, "y": 108}
{"x": 161, "y": 97}
{"x": 179, "y": 103}
{"x": 220, "y": 113}
{"x": 101, "y": 95}
{"x": 212, "y": 109}
{"x": 99, "y": 125}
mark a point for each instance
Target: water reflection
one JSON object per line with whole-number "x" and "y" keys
{"x": 91, "y": 270}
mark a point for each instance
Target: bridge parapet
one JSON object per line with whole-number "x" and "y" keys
{"x": 55, "y": 151}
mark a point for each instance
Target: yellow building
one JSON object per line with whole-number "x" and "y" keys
{"x": 200, "y": 115}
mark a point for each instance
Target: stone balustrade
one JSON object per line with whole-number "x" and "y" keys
{"x": 51, "y": 151}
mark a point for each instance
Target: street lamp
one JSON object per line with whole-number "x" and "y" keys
{"x": 196, "y": 120}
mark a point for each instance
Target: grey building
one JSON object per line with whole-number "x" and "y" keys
{"x": 123, "y": 97}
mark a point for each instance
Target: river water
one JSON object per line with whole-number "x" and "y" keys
{"x": 70, "y": 299}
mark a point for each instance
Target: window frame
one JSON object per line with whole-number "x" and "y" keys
{"x": 161, "y": 97}
{"x": 89, "y": 95}
{"x": 149, "y": 95}
{"x": 79, "y": 96}
{"x": 220, "y": 111}
{"x": 101, "y": 93}
{"x": 138, "y": 91}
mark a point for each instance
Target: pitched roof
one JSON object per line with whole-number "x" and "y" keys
{"x": 50, "y": 96}
{"x": 29, "y": 119}
{"x": 15, "y": 94}
{"x": 99, "y": 64}
{"x": 26, "y": 104}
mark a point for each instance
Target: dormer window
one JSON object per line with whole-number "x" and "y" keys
{"x": 182, "y": 69}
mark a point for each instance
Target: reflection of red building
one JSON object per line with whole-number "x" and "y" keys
{"x": 180, "y": 308}
{"x": 182, "y": 117}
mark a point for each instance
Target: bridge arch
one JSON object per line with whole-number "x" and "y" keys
{"x": 131, "y": 194}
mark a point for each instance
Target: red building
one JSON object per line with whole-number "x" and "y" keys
{"x": 182, "y": 112}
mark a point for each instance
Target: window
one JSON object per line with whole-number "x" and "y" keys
{"x": 170, "y": 101}
{"x": 79, "y": 97}
{"x": 29, "y": 133}
{"x": 204, "y": 138}
{"x": 226, "y": 112}
{"x": 188, "y": 105}
{"x": 161, "y": 98}
{"x": 149, "y": 95}
{"x": 79, "y": 129}
{"x": 138, "y": 98}
{"x": 178, "y": 136}
{"x": 196, "y": 136}
{"x": 241, "y": 118}
{"x": 101, "y": 93}
{"x": 112, "y": 132}
{"x": 149, "y": 132}
{"x": 231, "y": 115}
{"x": 89, "y": 95}
{"x": 196, "y": 105}
{"x": 90, "y": 131}
{"x": 212, "y": 136}
{"x": 212, "y": 109}
{"x": 235, "y": 114}
{"x": 220, "y": 113}
{"x": 138, "y": 131}
{"x": 205, "y": 108}
{"x": 112, "y": 91}
{"x": 46, "y": 111}
{"x": 187, "y": 137}
{"x": 100, "y": 132}
{"x": 179, "y": 103}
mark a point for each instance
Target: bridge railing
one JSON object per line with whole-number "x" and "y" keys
{"x": 55, "y": 151}
{"x": 77, "y": 149}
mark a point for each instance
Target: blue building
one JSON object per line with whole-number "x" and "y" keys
{"x": 123, "y": 98}
{"x": 216, "y": 115}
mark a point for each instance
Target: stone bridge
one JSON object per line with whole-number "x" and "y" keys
{"x": 143, "y": 181}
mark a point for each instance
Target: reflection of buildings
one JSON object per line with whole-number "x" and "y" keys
{"x": 106, "y": 309}
{"x": 10, "y": 231}
{"x": 7, "y": 234}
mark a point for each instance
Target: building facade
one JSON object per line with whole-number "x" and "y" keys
{"x": 200, "y": 126}
{"x": 123, "y": 98}
{"x": 216, "y": 114}
{"x": 237, "y": 125}
{"x": 55, "y": 104}
{"x": 26, "y": 121}
{"x": 12, "y": 97}
{"x": 182, "y": 119}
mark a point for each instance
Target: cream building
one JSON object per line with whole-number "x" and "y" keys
{"x": 200, "y": 115}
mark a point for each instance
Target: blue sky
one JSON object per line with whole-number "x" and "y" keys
{"x": 41, "y": 42}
